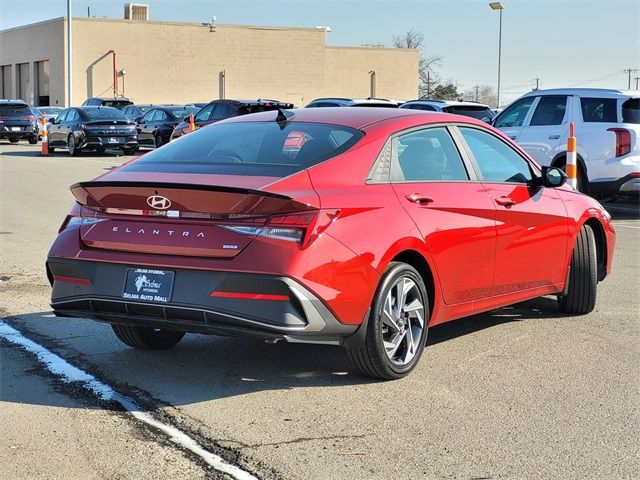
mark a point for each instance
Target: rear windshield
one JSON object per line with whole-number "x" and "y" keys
{"x": 14, "y": 111}
{"x": 250, "y": 148}
{"x": 631, "y": 111}
{"x": 180, "y": 113}
{"x": 104, "y": 114}
{"x": 473, "y": 112}
{"x": 119, "y": 104}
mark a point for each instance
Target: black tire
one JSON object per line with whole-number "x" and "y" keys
{"x": 33, "y": 140}
{"x": 371, "y": 359}
{"x": 100, "y": 150}
{"x": 129, "y": 150}
{"x": 157, "y": 140}
{"x": 583, "y": 276}
{"x": 13, "y": 140}
{"x": 144, "y": 338}
{"x": 51, "y": 149}
{"x": 71, "y": 145}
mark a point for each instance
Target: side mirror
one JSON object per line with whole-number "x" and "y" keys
{"x": 553, "y": 177}
{"x": 52, "y": 120}
{"x": 137, "y": 119}
{"x": 486, "y": 120}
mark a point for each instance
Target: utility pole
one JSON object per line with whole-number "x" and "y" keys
{"x": 69, "y": 59}
{"x": 629, "y": 71}
{"x": 428, "y": 84}
{"x": 537, "y": 83}
{"x": 477, "y": 87}
{"x": 636, "y": 79}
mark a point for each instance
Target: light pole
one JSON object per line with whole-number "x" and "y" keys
{"x": 69, "y": 57}
{"x": 498, "y": 6}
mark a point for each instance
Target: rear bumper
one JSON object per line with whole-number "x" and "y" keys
{"x": 26, "y": 131}
{"x": 630, "y": 183}
{"x": 291, "y": 312}
{"x": 92, "y": 141}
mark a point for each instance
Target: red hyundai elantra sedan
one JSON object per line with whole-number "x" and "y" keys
{"x": 352, "y": 227}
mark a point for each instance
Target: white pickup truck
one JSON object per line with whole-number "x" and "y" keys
{"x": 607, "y": 129}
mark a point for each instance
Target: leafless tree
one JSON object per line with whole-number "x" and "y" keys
{"x": 427, "y": 75}
{"x": 482, "y": 93}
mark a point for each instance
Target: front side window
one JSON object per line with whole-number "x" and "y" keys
{"x": 497, "y": 161}
{"x": 515, "y": 114}
{"x": 205, "y": 113}
{"x": 429, "y": 154}
{"x": 550, "y": 110}
{"x": 221, "y": 111}
{"x": 602, "y": 110}
{"x": 148, "y": 117}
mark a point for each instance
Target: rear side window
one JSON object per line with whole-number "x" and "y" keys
{"x": 631, "y": 111}
{"x": 550, "y": 110}
{"x": 12, "y": 111}
{"x": 250, "y": 148}
{"x": 603, "y": 110}
{"x": 515, "y": 114}
{"x": 497, "y": 161}
{"x": 429, "y": 154}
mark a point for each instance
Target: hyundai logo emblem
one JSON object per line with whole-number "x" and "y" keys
{"x": 159, "y": 202}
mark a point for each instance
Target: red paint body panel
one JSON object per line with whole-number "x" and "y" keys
{"x": 481, "y": 255}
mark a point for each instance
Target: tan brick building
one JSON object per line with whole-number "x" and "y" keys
{"x": 166, "y": 62}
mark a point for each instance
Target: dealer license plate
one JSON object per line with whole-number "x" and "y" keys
{"x": 148, "y": 285}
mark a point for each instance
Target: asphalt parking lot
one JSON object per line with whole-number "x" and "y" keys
{"x": 519, "y": 392}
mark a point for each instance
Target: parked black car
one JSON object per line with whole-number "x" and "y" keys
{"x": 134, "y": 112}
{"x": 18, "y": 121}
{"x": 155, "y": 127}
{"x": 92, "y": 128}
{"x": 118, "y": 103}
{"x": 221, "y": 109}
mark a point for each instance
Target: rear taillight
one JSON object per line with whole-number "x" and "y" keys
{"x": 301, "y": 228}
{"x": 71, "y": 221}
{"x": 623, "y": 140}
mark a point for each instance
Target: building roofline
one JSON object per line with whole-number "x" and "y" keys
{"x": 29, "y": 25}
{"x": 395, "y": 49}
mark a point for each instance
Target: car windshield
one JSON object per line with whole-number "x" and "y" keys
{"x": 631, "y": 111}
{"x": 180, "y": 113}
{"x": 470, "y": 111}
{"x": 12, "y": 111}
{"x": 250, "y": 148}
{"x": 50, "y": 110}
{"x": 104, "y": 114}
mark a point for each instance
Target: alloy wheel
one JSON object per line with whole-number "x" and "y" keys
{"x": 402, "y": 321}
{"x": 71, "y": 145}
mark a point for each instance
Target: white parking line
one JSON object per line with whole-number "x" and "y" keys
{"x": 71, "y": 374}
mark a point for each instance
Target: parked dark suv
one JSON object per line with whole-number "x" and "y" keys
{"x": 17, "y": 121}
{"x": 118, "y": 103}
{"x": 221, "y": 109}
{"x": 92, "y": 128}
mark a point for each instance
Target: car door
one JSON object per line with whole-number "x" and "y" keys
{"x": 454, "y": 215}
{"x": 54, "y": 129}
{"x": 531, "y": 221}
{"x": 511, "y": 120}
{"x": 145, "y": 128}
{"x": 160, "y": 120}
{"x": 545, "y": 133}
{"x": 70, "y": 126}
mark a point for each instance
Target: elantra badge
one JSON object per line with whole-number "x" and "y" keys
{"x": 158, "y": 202}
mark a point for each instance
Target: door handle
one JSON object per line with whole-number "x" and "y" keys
{"x": 419, "y": 199}
{"x": 505, "y": 201}
{"x": 554, "y": 137}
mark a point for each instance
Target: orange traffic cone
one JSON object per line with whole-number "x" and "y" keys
{"x": 192, "y": 124}
{"x": 44, "y": 146}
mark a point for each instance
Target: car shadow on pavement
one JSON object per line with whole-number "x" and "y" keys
{"x": 204, "y": 368}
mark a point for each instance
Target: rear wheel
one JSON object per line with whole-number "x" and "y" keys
{"x": 129, "y": 150}
{"x": 157, "y": 140}
{"x": 144, "y": 338}
{"x": 13, "y": 140}
{"x": 71, "y": 145}
{"x": 583, "y": 276}
{"x": 100, "y": 150}
{"x": 33, "y": 140}
{"x": 397, "y": 328}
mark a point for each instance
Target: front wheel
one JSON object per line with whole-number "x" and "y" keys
{"x": 397, "y": 328}
{"x": 583, "y": 275}
{"x": 144, "y": 338}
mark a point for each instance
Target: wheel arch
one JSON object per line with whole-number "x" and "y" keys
{"x": 601, "y": 246}
{"x": 561, "y": 159}
{"x": 417, "y": 261}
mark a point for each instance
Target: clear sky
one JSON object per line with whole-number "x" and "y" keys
{"x": 562, "y": 42}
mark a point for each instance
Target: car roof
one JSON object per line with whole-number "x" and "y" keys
{"x": 584, "y": 91}
{"x": 111, "y": 99}
{"x": 12, "y": 102}
{"x": 358, "y": 118}
{"x": 352, "y": 101}
{"x": 447, "y": 103}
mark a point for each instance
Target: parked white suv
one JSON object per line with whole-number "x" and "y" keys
{"x": 607, "y": 129}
